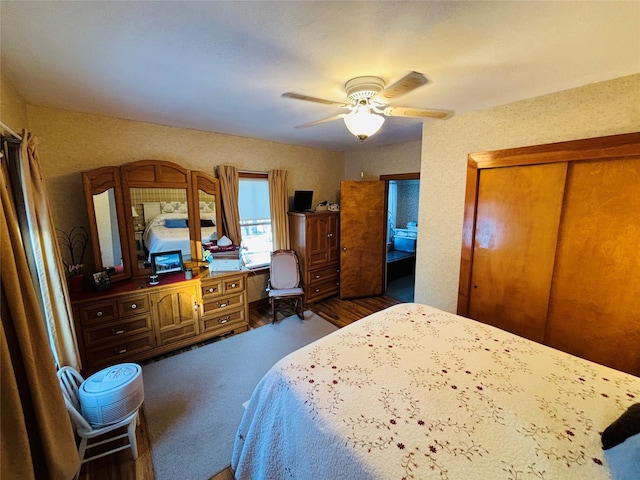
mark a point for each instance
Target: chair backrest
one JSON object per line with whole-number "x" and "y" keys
{"x": 284, "y": 270}
{"x": 70, "y": 381}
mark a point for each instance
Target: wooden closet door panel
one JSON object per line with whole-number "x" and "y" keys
{"x": 518, "y": 212}
{"x": 594, "y": 309}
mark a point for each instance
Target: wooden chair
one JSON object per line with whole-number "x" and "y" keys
{"x": 284, "y": 281}
{"x": 70, "y": 381}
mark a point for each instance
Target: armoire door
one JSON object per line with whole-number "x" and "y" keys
{"x": 518, "y": 213}
{"x": 594, "y": 309}
{"x": 319, "y": 236}
{"x": 362, "y": 238}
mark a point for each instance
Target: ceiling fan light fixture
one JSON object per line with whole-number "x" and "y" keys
{"x": 362, "y": 123}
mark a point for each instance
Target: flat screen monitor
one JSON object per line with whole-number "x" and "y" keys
{"x": 302, "y": 200}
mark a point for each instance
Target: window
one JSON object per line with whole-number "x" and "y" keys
{"x": 255, "y": 219}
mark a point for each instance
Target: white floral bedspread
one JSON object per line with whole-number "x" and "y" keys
{"x": 416, "y": 393}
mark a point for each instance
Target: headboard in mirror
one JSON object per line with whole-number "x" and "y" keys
{"x": 161, "y": 206}
{"x": 107, "y": 225}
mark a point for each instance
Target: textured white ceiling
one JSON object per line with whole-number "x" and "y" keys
{"x": 222, "y": 66}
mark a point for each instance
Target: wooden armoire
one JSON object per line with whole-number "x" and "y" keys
{"x": 315, "y": 236}
{"x": 551, "y": 246}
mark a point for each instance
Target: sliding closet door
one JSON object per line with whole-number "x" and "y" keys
{"x": 518, "y": 213}
{"x": 595, "y": 300}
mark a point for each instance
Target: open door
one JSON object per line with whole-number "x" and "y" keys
{"x": 362, "y": 238}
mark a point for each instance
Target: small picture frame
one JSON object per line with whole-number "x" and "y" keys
{"x": 166, "y": 262}
{"x": 101, "y": 280}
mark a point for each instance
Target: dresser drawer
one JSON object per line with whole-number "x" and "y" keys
{"x": 213, "y": 323}
{"x": 322, "y": 290}
{"x": 222, "y": 304}
{"x": 116, "y": 331}
{"x": 119, "y": 351}
{"x": 133, "y": 305}
{"x": 324, "y": 275}
{"x": 212, "y": 288}
{"x": 98, "y": 312}
{"x": 233, "y": 285}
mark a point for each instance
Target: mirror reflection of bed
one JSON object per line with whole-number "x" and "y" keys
{"x": 402, "y": 234}
{"x": 167, "y": 227}
{"x": 162, "y": 221}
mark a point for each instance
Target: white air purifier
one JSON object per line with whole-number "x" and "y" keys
{"x": 112, "y": 394}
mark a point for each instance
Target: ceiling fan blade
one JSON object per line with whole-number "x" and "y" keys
{"x": 298, "y": 96}
{"x": 417, "y": 112}
{"x": 324, "y": 120}
{"x": 409, "y": 82}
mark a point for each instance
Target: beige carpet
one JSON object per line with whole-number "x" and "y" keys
{"x": 193, "y": 401}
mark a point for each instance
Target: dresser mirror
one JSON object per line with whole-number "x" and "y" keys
{"x": 147, "y": 207}
{"x": 208, "y": 213}
{"x": 103, "y": 196}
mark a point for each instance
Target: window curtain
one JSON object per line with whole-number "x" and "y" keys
{"x": 37, "y": 439}
{"x": 228, "y": 177}
{"x": 47, "y": 265}
{"x": 279, "y": 204}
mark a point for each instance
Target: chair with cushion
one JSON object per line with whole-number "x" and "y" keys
{"x": 284, "y": 281}
{"x": 70, "y": 381}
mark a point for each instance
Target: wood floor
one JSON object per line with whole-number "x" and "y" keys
{"x": 120, "y": 466}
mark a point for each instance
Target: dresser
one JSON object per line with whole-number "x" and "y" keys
{"x": 135, "y": 321}
{"x": 315, "y": 236}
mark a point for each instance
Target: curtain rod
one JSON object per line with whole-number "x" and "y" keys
{"x": 10, "y": 131}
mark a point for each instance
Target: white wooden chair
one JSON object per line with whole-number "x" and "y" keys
{"x": 70, "y": 381}
{"x": 284, "y": 281}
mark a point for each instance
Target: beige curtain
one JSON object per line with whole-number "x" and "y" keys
{"x": 229, "y": 186}
{"x": 279, "y": 204}
{"x": 37, "y": 440}
{"x": 51, "y": 279}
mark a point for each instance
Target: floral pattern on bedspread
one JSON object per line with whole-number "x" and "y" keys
{"x": 414, "y": 393}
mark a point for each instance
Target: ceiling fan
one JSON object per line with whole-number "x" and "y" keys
{"x": 367, "y": 103}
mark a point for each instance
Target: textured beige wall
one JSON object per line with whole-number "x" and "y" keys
{"x": 71, "y": 142}
{"x": 13, "y": 109}
{"x": 373, "y": 162}
{"x": 600, "y": 109}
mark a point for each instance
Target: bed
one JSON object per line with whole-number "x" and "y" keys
{"x": 167, "y": 227}
{"x": 413, "y": 392}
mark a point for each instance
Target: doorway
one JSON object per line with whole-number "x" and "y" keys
{"x": 403, "y": 196}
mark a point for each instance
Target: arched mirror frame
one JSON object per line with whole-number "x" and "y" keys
{"x": 209, "y": 185}
{"x": 97, "y": 182}
{"x": 147, "y": 174}
{"x": 152, "y": 174}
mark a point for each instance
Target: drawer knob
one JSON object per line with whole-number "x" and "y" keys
{"x": 118, "y": 332}
{"x": 122, "y": 350}
{"x": 211, "y": 290}
{"x": 233, "y": 285}
{"x": 196, "y": 306}
{"x": 317, "y": 290}
{"x": 133, "y": 306}
{"x": 99, "y": 314}
{"x": 223, "y": 303}
{"x": 317, "y": 276}
{"x": 225, "y": 319}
